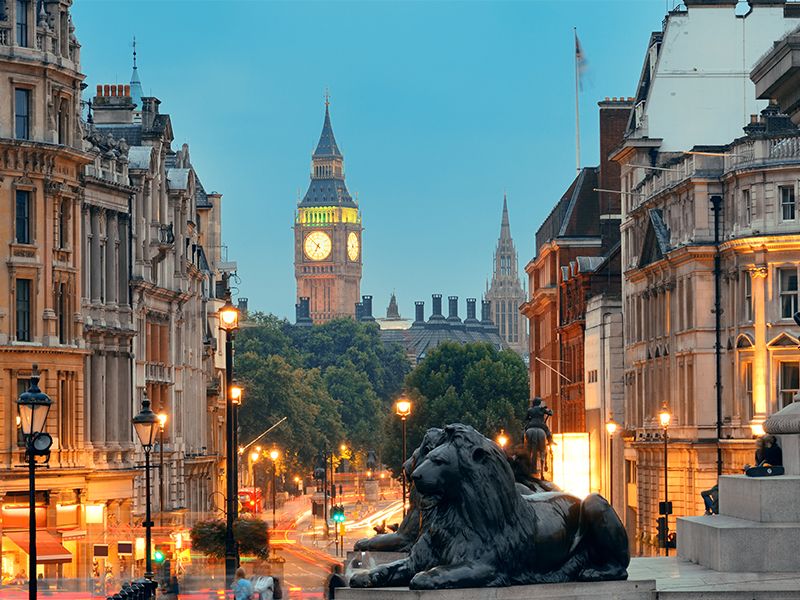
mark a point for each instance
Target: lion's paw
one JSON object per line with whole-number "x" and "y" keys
{"x": 362, "y": 579}
{"x": 423, "y": 581}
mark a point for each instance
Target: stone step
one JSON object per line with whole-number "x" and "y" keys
{"x": 606, "y": 590}
{"x": 762, "y": 499}
{"x": 730, "y": 544}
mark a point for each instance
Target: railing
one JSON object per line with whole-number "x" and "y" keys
{"x": 764, "y": 152}
{"x": 158, "y": 372}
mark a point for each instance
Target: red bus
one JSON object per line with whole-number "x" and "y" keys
{"x": 250, "y": 500}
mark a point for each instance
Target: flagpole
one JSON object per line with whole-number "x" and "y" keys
{"x": 577, "y": 110}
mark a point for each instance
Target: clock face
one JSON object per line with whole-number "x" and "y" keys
{"x": 353, "y": 246}
{"x": 317, "y": 245}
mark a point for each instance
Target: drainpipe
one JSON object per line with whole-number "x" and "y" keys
{"x": 716, "y": 205}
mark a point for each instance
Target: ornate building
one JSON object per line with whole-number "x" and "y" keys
{"x": 327, "y": 236}
{"x": 506, "y": 293}
{"x": 578, "y": 237}
{"x": 41, "y": 161}
{"x": 717, "y": 346}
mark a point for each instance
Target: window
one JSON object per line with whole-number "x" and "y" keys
{"x": 22, "y": 23}
{"x": 786, "y": 193}
{"x": 22, "y": 217}
{"x": 788, "y": 382}
{"x": 63, "y": 225}
{"x": 747, "y": 386}
{"x": 788, "y": 292}
{"x": 22, "y": 111}
{"x": 61, "y": 308}
{"x": 747, "y": 306}
{"x": 747, "y": 208}
{"x": 23, "y": 310}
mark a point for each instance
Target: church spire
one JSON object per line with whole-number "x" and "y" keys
{"x": 327, "y": 142}
{"x": 136, "y": 84}
{"x": 505, "y": 228}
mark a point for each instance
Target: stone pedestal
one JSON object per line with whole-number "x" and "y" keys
{"x": 759, "y": 517}
{"x": 372, "y": 491}
{"x": 607, "y": 590}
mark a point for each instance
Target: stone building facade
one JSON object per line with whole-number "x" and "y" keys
{"x": 327, "y": 236}
{"x": 505, "y": 292}
{"x": 109, "y": 288}
{"x": 670, "y": 187}
{"x": 579, "y": 235}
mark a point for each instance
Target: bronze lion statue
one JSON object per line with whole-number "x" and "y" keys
{"x": 482, "y": 529}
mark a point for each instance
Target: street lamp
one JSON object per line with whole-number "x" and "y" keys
{"x": 254, "y": 456}
{"x": 229, "y": 322}
{"x": 611, "y": 429}
{"x": 162, "y": 421}
{"x": 502, "y": 439}
{"x": 403, "y": 410}
{"x": 664, "y": 418}
{"x": 273, "y": 454}
{"x": 146, "y": 425}
{"x": 33, "y": 407}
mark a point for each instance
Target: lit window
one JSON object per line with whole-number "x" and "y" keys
{"x": 747, "y": 376}
{"x": 748, "y": 296}
{"x": 788, "y": 292}
{"x": 788, "y": 382}
{"x": 786, "y": 193}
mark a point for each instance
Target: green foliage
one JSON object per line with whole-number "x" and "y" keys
{"x": 208, "y": 537}
{"x": 334, "y": 382}
{"x": 474, "y": 384}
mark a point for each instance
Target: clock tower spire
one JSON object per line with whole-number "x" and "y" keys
{"x": 327, "y": 235}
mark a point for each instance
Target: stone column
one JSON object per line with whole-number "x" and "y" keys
{"x": 759, "y": 282}
{"x": 112, "y": 284}
{"x": 123, "y": 268}
{"x": 98, "y": 400}
{"x": 112, "y": 398}
{"x": 94, "y": 257}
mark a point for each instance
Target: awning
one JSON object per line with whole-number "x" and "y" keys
{"x": 48, "y": 547}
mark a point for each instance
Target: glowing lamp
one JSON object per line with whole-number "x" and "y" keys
{"x": 241, "y": 450}
{"x": 274, "y": 454}
{"x": 145, "y": 424}
{"x": 402, "y": 408}
{"x": 664, "y": 416}
{"x": 254, "y": 456}
{"x": 33, "y": 406}
{"x": 343, "y": 448}
{"x": 229, "y": 316}
{"x": 611, "y": 427}
{"x": 236, "y": 394}
{"x": 757, "y": 429}
{"x": 502, "y": 439}
{"x": 162, "y": 420}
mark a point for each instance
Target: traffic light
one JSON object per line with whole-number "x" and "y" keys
{"x": 337, "y": 513}
{"x": 158, "y": 556}
{"x": 662, "y": 532}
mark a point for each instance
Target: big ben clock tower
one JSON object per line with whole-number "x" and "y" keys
{"x": 327, "y": 236}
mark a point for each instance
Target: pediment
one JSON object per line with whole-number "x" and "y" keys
{"x": 744, "y": 340}
{"x": 784, "y": 340}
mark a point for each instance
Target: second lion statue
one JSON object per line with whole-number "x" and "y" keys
{"x": 480, "y": 530}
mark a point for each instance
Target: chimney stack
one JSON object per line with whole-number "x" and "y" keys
{"x": 471, "y": 320}
{"x": 149, "y": 111}
{"x": 419, "y": 313}
{"x": 366, "y": 313}
{"x": 302, "y": 312}
{"x": 113, "y": 104}
{"x": 359, "y": 311}
{"x": 437, "y": 308}
{"x": 452, "y": 317}
{"x": 486, "y": 311}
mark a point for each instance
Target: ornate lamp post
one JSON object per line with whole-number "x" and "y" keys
{"x": 274, "y": 455}
{"x": 611, "y": 429}
{"x": 146, "y": 426}
{"x": 33, "y": 407}
{"x": 229, "y": 321}
{"x": 664, "y": 418}
{"x": 403, "y": 410}
{"x": 162, "y": 421}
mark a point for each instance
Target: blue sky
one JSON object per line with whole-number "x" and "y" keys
{"x": 438, "y": 107}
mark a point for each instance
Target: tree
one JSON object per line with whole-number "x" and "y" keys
{"x": 361, "y": 410}
{"x": 474, "y": 384}
{"x": 208, "y": 537}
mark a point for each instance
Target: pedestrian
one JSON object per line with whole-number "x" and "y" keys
{"x": 335, "y": 580}
{"x": 277, "y": 593}
{"x": 242, "y": 588}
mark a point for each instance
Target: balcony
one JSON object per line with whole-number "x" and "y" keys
{"x": 158, "y": 373}
{"x": 764, "y": 152}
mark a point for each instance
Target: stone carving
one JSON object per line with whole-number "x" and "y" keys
{"x": 481, "y": 529}
{"x": 786, "y": 420}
